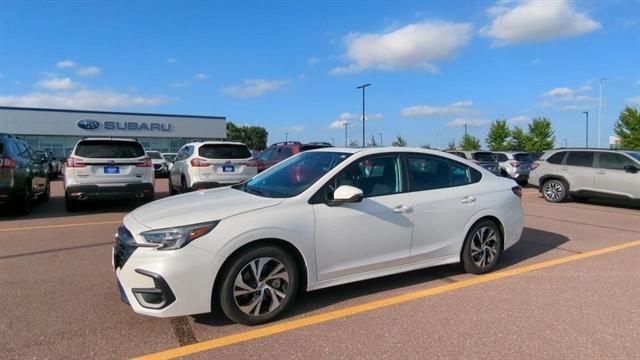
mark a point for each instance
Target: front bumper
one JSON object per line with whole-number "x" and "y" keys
{"x": 165, "y": 283}
{"x": 102, "y": 192}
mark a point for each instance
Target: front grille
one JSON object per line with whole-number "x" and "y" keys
{"x": 124, "y": 247}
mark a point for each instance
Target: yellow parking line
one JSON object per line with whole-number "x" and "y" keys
{"x": 356, "y": 309}
{"x": 59, "y": 226}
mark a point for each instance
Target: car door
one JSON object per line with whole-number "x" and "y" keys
{"x": 445, "y": 194}
{"x": 375, "y": 233}
{"x": 178, "y": 166}
{"x": 579, "y": 171}
{"x": 611, "y": 177}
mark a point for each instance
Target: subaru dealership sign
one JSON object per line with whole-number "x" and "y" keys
{"x": 90, "y": 124}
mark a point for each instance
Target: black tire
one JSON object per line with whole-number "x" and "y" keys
{"x": 71, "y": 205}
{"x": 25, "y": 202}
{"x": 183, "y": 186}
{"x": 484, "y": 241}
{"x": 555, "y": 190}
{"x": 230, "y": 306}
{"x": 47, "y": 192}
{"x": 172, "y": 191}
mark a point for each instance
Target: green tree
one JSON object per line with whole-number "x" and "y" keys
{"x": 628, "y": 128}
{"x": 469, "y": 142}
{"x": 399, "y": 141}
{"x": 372, "y": 142}
{"x": 499, "y": 136}
{"x": 540, "y": 136}
{"x": 255, "y": 137}
{"x": 519, "y": 139}
{"x": 353, "y": 143}
{"x": 425, "y": 146}
{"x": 451, "y": 145}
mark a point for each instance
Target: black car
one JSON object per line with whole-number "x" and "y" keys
{"x": 23, "y": 175}
{"x": 48, "y": 160}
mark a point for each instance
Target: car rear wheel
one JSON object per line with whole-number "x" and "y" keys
{"x": 482, "y": 247}
{"x": 259, "y": 285}
{"x": 555, "y": 190}
{"x": 47, "y": 192}
{"x": 183, "y": 185}
{"x": 172, "y": 190}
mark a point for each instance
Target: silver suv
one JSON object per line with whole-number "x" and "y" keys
{"x": 515, "y": 165}
{"x": 584, "y": 173}
{"x": 103, "y": 168}
{"x": 485, "y": 159}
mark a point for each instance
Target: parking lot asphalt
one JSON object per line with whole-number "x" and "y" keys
{"x": 564, "y": 291}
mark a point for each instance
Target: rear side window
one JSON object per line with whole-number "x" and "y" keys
{"x": 502, "y": 157}
{"x": 484, "y": 156}
{"x": 224, "y": 151}
{"x": 431, "y": 172}
{"x": 580, "y": 158}
{"x": 523, "y": 158}
{"x": 109, "y": 149}
{"x": 556, "y": 158}
{"x": 154, "y": 155}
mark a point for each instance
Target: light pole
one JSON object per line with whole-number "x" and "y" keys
{"x": 439, "y": 135}
{"x": 565, "y": 143}
{"x": 587, "y": 127}
{"x": 465, "y": 129}
{"x": 380, "y": 139}
{"x": 600, "y": 109}
{"x": 286, "y": 137}
{"x": 333, "y": 141}
{"x": 363, "y": 112}
{"x": 346, "y": 126}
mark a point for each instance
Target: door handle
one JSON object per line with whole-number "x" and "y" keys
{"x": 601, "y": 172}
{"x": 468, "y": 200}
{"x": 401, "y": 209}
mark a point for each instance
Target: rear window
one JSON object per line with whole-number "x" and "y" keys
{"x": 313, "y": 146}
{"x": 556, "y": 158}
{"x": 154, "y": 155}
{"x": 484, "y": 156}
{"x": 109, "y": 149}
{"x": 523, "y": 158}
{"x": 224, "y": 151}
{"x": 580, "y": 158}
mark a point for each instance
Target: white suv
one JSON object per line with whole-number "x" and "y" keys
{"x": 210, "y": 164}
{"x": 103, "y": 168}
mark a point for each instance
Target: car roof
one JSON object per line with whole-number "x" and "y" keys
{"x": 199, "y": 143}
{"x": 108, "y": 138}
{"x": 384, "y": 149}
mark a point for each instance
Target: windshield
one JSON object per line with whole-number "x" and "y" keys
{"x": 523, "y": 158}
{"x": 109, "y": 149}
{"x": 634, "y": 154}
{"x": 484, "y": 156}
{"x": 154, "y": 154}
{"x": 294, "y": 175}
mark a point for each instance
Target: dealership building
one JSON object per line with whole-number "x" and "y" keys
{"x": 59, "y": 130}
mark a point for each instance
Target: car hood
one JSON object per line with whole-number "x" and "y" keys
{"x": 198, "y": 207}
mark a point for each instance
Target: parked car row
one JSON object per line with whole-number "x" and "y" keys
{"x": 512, "y": 164}
{"x": 54, "y": 165}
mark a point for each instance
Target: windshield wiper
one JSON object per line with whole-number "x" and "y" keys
{"x": 255, "y": 191}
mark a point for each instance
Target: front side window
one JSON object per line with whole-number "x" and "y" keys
{"x": 484, "y": 157}
{"x": 580, "y": 158}
{"x": 614, "y": 161}
{"x": 294, "y": 175}
{"x": 109, "y": 149}
{"x": 426, "y": 172}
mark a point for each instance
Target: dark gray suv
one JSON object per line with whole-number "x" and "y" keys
{"x": 23, "y": 175}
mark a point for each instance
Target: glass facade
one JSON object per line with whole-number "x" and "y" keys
{"x": 61, "y": 146}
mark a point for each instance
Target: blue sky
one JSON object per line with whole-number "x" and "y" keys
{"x": 292, "y": 66}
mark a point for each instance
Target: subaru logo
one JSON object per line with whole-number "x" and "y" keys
{"x": 88, "y": 124}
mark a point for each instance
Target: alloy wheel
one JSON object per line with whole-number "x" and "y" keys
{"x": 553, "y": 191}
{"x": 484, "y": 247}
{"x": 261, "y": 286}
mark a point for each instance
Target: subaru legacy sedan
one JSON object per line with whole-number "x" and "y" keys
{"x": 318, "y": 219}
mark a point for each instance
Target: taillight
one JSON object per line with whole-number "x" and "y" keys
{"x": 515, "y": 163}
{"x": 7, "y": 163}
{"x": 147, "y": 163}
{"x": 73, "y": 163}
{"x": 517, "y": 190}
{"x": 252, "y": 163}
{"x": 534, "y": 165}
{"x": 198, "y": 162}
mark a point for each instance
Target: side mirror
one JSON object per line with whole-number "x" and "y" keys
{"x": 346, "y": 194}
{"x": 631, "y": 169}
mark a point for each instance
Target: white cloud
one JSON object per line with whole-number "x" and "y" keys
{"x": 65, "y": 64}
{"x": 634, "y": 100}
{"x": 458, "y": 108}
{"x": 172, "y": 60}
{"x": 638, "y": 82}
{"x": 338, "y": 124}
{"x": 415, "y": 46}
{"x": 536, "y": 20}
{"x": 295, "y": 128}
{"x": 347, "y": 117}
{"x": 518, "y": 120}
{"x": 58, "y": 84}
{"x": 81, "y": 99}
{"x": 569, "y": 99}
{"x": 179, "y": 84}
{"x": 313, "y": 60}
{"x": 88, "y": 71}
{"x": 559, "y": 91}
{"x": 254, "y": 88}
{"x": 201, "y": 76}
{"x": 469, "y": 122}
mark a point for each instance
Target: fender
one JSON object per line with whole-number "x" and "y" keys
{"x": 477, "y": 216}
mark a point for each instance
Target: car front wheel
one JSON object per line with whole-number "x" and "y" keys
{"x": 554, "y": 191}
{"x": 259, "y": 285}
{"x": 482, "y": 247}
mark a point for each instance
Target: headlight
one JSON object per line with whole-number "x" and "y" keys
{"x": 177, "y": 237}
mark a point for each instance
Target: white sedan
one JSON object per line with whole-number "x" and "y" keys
{"x": 321, "y": 218}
